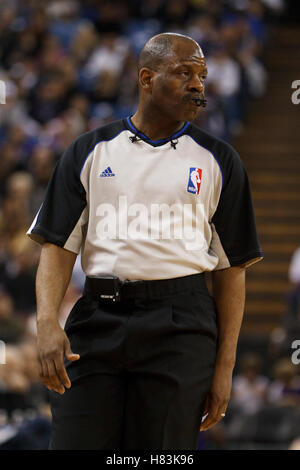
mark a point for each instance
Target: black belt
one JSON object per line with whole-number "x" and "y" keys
{"x": 111, "y": 289}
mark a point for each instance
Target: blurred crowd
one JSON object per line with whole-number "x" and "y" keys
{"x": 70, "y": 66}
{"x": 264, "y": 409}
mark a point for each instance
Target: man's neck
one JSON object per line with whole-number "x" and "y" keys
{"x": 153, "y": 126}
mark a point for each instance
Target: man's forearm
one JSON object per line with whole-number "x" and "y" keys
{"x": 229, "y": 295}
{"x": 53, "y": 276}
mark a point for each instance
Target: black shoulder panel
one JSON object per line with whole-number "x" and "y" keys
{"x": 234, "y": 217}
{"x": 85, "y": 143}
{"x": 223, "y": 152}
{"x": 65, "y": 197}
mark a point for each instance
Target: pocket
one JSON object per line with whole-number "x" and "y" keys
{"x": 182, "y": 311}
{"x": 81, "y": 311}
{"x": 205, "y": 305}
{"x": 195, "y": 310}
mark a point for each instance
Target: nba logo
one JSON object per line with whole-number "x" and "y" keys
{"x": 194, "y": 180}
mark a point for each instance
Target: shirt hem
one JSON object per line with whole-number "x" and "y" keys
{"x": 40, "y": 235}
{"x": 247, "y": 260}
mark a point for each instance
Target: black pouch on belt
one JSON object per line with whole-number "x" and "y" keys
{"x": 103, "y": 288}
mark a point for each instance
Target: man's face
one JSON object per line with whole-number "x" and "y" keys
{"x": 178, "y": 80}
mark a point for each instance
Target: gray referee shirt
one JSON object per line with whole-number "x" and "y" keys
{"x": 141, "y": 209}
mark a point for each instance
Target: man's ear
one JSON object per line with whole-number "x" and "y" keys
{"x": 145, "y": 78}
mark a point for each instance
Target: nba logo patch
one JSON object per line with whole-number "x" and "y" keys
{"x": 194, "y": 183}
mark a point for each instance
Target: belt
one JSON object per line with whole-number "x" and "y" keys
{"x": 111, "y": 289}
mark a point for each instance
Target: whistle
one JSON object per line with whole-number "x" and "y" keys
{"x": 200, "y": 102}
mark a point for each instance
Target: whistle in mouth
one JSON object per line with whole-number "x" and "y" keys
{"x": 200, "y": 102}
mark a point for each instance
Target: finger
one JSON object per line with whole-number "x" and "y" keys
{"x": 61, "y": 371}
{"x": 43, "y": 373}
{"x": 210, "y": 418}
{"x": 69, "y": 354}
{"x": 208, "y": 423}
{"x": 205, "y": 412}
{"x": 213, "y": 418}
{"x": 54, "y": 381}
{"x": 205, "y": 423}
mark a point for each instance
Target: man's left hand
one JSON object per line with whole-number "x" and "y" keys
{"x": 218, "y": 398}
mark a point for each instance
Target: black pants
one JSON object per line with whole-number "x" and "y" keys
{"x": 145, "y": 370}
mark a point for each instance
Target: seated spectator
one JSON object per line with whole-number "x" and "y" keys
{"x": 26, "y": 423}
{"x": 49, "y": 97}
{"x": 19, "y": 276}
{"x": 11, "y": 327}
{"x": 20, "y": 188}
{"x": 284, "y": 390}
{"x": 292, "y": 319}
{"x": 41, "y": 165}
{"x": 83, "y": 43}
{"x": 103, "y": 70}
{"x": 220, "y": 64}
{"x": 13, "y": 377}
{"x": 249, "y": 388}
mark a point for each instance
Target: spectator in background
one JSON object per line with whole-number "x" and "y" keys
{"x": 12, "y": 219}
{"x": 213, "y": 120}
{"x": 25, "y": 422}
{"x": 283, "y": 335}
{"x": 11, "y": 327}
{"x": 13, "y": 377}
{"x": 103, "y": 70}
{"x": 65, "y": 21}
{"x": 83, "y": 43}
{"x": 203, "y": 28}
{"x": 40, "y": 166}
{"x": 19, "y": 188}
{"x": 292, "y": 319}
{"x": 249, "y": 388}
{"x": 285, "y": 388}
{"x": 51, "y": 54}
{"x": 19, "y": 275}
{"x": 49, "y": 98}
{"x": 220, "y": 64}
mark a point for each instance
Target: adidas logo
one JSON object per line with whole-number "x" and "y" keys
{"x": 107, "y": 172}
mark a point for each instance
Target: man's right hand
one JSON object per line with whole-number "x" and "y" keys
{"x": 53, "y": 346}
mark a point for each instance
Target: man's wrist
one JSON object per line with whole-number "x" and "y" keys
{"x": 47, "y": 318}
{"x": 225, "y": 361}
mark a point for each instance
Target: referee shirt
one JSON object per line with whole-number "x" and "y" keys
{"x": 142, "y": 209}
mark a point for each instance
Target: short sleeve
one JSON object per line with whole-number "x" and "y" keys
{"x": 234, "y": 234}
{"x": 61, "y": 217}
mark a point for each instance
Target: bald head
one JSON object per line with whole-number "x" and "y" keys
{"x": 158, "y": 48}
{"x": 172, "y": 71}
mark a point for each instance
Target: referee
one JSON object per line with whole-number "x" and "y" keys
{"x": 151, "y": 202}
